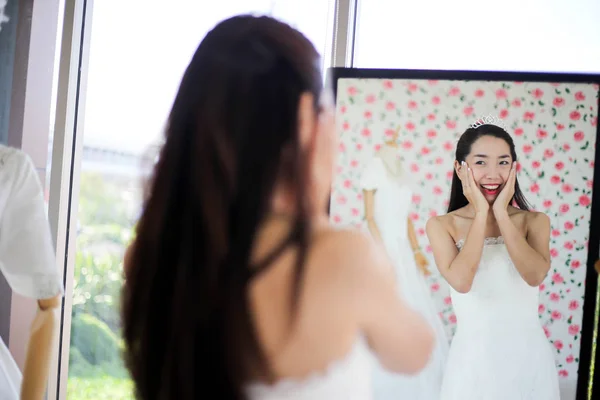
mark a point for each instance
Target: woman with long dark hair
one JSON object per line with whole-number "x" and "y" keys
{"x": 237, "y": 287}
{"x": 494, "y": 253}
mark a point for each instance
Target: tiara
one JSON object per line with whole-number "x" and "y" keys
{"x": 489, "y": 120}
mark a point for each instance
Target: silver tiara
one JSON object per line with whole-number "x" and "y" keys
{"x": 489, "y": 120}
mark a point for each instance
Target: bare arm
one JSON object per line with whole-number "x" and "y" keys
{"x": 39, "y": 350}
{"x": 458, "y": 268}
{"x": 399, "y": 336}
{"x": 369, "y": 196}
{"x": 531, "y": 255}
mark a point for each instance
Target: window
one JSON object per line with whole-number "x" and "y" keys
{"x": 517, "y": 35}
{"x": 138, "y": 53}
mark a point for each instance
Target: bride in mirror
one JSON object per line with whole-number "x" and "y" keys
{"x": 494, "y": 253}
{"x": 387, "y": 196}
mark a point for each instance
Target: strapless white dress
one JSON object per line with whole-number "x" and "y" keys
{"x": 499, "y": 350}
{"x": 348, "y": 378}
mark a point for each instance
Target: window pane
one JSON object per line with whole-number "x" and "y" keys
{"x": 137, "y": 57}
{"x": 519, "y": 35}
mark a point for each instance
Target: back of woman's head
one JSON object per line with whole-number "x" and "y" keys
{"x": 231, "y": 136}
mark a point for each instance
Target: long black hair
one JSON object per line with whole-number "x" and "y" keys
{"x": 231, "y": 135}
{"x": 463, "y": 149}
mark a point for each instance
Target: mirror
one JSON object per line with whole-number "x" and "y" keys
{"x": 398, "y": 132}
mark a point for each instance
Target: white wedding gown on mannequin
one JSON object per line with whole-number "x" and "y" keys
{"x": 392, "y": 204}
{"x": 27, "y": 258}
{"x": 499, "y": 350}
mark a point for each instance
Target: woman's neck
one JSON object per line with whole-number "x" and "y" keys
{"x": 491, "y": 218}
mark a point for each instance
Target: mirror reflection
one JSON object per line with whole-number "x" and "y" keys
{"x": 480, "y": 193}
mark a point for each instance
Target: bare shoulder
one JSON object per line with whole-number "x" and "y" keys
{"x": 536, "y": 220}
{"x": 440, "y": 221}
{"x": 345, "y": 246}
{"x": 441, "y": 232}
{"x": 535, "y": 217}
{"x": 349, "y": 263}
{"x": 443, "y": 224}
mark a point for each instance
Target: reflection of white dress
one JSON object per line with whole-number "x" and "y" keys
{"x": 499, "y": 350}
{"x": 27, "y": 258}
{"x": 392, "y": 202}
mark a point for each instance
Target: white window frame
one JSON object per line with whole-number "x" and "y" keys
{"x": 67, "y": 149}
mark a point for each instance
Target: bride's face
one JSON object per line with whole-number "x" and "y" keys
{"x": 490, "y": 160}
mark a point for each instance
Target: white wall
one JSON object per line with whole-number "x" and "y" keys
{"x": 518, "y": 35}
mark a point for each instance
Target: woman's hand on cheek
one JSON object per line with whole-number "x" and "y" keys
{"x": 471, "y": 190}
{"x": 505, "y": 197}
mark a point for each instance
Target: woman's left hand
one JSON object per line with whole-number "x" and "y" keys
{"x": 505, "y": 197}
{"x": 422, "y": 262}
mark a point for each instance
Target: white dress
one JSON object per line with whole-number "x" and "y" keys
{"x": 392, "y": 204}
{"x": 499, "y": 350}
{"x": 27, "y": 258}
{"x": 346, "y": 379}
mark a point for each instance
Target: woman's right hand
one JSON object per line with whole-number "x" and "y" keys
{"x": 471, "y": 191}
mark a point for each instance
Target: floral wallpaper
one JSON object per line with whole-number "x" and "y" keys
{"x": 554, "y": 128}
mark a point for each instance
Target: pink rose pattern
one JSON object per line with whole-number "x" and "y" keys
{"x": 554, "y": 128}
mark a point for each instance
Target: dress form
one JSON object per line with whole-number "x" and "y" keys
{"x": 27, "y": 261}
{"x": 389, "y": 154}
{"x": 391, "y": 160}
{"x": 391, "y": 204}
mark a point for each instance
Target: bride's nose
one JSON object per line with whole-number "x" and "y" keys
{"x": 492, "y": 172}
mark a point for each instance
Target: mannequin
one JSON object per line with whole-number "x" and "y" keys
{"x": 27, "y": 261}
{"x": 393, "y": 164}
{"x": 387, "y": 193}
